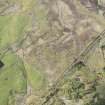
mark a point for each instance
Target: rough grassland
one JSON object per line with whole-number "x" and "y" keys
{"x": 12, "y": 29}
{"x": 12, "y": 78}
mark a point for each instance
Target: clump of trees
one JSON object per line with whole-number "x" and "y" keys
{"x": 93, "y": 95}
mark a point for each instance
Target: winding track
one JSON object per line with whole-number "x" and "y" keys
{"x": 70, "y": 70}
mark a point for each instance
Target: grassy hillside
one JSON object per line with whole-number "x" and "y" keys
{"x": 44, "y": 37}
{"x": 12, "y": 78}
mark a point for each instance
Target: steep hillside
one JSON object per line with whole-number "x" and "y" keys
{"x": 41, "y": 40}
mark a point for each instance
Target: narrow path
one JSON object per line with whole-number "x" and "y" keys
{"x": 70, "y": 70}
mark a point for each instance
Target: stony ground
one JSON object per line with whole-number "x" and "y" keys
{"x": 39, "y": 40}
